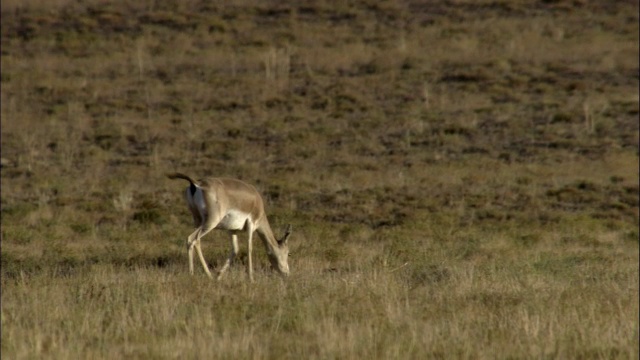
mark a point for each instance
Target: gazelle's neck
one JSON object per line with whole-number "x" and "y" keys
{"x": 277, "y": 250}
{"x": 268, "y": 238}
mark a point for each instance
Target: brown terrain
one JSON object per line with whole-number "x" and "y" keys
{"x": 461, "y": 176}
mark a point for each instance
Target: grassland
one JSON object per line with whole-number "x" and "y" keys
{"x": 462, "y": 178}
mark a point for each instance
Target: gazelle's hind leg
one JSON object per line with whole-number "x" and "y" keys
{"x": 195, "y": 243}
{"x": 234, "y": 252}
{"x": 202, "y": 261}
{"x": 191, "y": 241}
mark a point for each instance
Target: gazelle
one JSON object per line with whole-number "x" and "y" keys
{"x": 233, "y": 205}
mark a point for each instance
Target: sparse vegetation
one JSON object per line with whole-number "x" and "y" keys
{"x": 462, "y": 178}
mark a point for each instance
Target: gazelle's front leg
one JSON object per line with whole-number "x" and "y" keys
{"x": 249, "y": 251}
{"x": 234, "y": 252}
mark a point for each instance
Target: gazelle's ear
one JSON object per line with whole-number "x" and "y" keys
{"x": 284, "y": 239}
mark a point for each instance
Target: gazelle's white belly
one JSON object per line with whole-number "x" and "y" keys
{"x": 233, "y": 220}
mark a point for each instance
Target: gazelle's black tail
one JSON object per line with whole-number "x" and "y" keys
{"x": 177, "y": 175}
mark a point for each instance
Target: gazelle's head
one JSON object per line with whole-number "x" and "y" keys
{"x": 280, "y": 257}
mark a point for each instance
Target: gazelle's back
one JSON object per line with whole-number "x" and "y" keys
{"x": 245, "y": 197}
